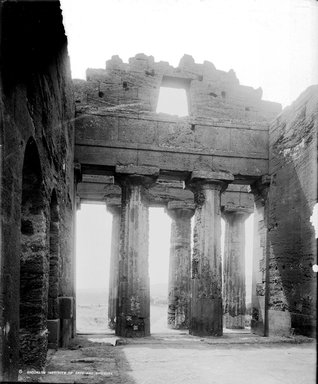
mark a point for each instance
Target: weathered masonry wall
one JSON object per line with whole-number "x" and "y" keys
{"x": 291, "y": 237}
{"x": 226, "y": 130}
{"x": 37, "y": 137}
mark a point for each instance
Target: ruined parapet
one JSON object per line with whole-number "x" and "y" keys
{"x": 292, "y": 196}
{"x": 134, "y": 87}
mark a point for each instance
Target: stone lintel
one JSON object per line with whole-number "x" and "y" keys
{"x": 137, "y": 170}
{"x": 175, "y": 204}
{"x": 99, "y": 179}
{"x": 238, "y": 188}
{"x": 136, "y": 175}
{"x": 237, "y": 209}
{"x": 210, "y": 176}
{"x": 171, "y": 184}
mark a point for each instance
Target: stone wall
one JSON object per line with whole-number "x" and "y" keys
{"x": 226, "y": 130}
{"x": 291, "y": 238}
{"x": 37, "y": 142}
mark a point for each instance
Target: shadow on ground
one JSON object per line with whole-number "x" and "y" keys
{"x": 85, "y": 361}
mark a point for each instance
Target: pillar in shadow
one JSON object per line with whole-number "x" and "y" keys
{"x": 179, "y": 264}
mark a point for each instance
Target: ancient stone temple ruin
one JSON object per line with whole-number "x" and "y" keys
{"x": 101, "y": 139}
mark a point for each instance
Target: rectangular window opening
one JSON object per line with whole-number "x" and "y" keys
{"x": 173, "y": 101}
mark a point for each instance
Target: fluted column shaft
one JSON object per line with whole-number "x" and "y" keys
{"x": 206, "y": 302}
{"x": 133, "y": 305}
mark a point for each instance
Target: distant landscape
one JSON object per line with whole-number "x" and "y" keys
{"x": 158, "y": 292}
{"x": 92, "y": 310}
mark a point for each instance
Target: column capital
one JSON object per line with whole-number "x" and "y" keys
{"x": 209, "y": 180}
{"x": 176, "y": 207}
{"x": 136, "y": 175}
{"x": 113, "y": 204}
{"x": 231, "y": 211}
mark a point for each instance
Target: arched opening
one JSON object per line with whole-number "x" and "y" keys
{"x": 34, "y": 264}
{"x": 53, "y": 322}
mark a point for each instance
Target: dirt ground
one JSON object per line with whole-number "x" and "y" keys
{"x": 175, "y": 357}
{"x": 180, "y": 359}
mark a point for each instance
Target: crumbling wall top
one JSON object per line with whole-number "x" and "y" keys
{"x": 187, "y": 67}
{"x": 212, "y": 94}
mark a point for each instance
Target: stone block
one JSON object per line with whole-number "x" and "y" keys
{"x": 210, "y": 137}
{"x": 279, "y": 323}
{"x": 65, "y": 332}
{"x": 137, "y": 131}
{"x": 210, "y": 175}
{"x": 66, "y": 307}
{"x": 53, "y": 327}
{"x": 137, "y": 170}
{"x": 99, "y": 179}
{"x": 180, "y": 205}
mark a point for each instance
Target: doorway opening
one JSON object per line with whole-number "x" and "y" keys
{"x": 93, "y": 246}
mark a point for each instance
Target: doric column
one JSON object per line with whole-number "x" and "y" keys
{"x": 133, "y": 305}
{"x": 259, "y": 321}
{"x": 206, "y": 288}
{"x": 234, "y": 269}
{"x": 114, "y": 207}
{"x": 179, "y": 264}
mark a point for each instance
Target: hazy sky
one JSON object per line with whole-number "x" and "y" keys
{"x": 94, "y": 240}
{"x": 269, "y": 43}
